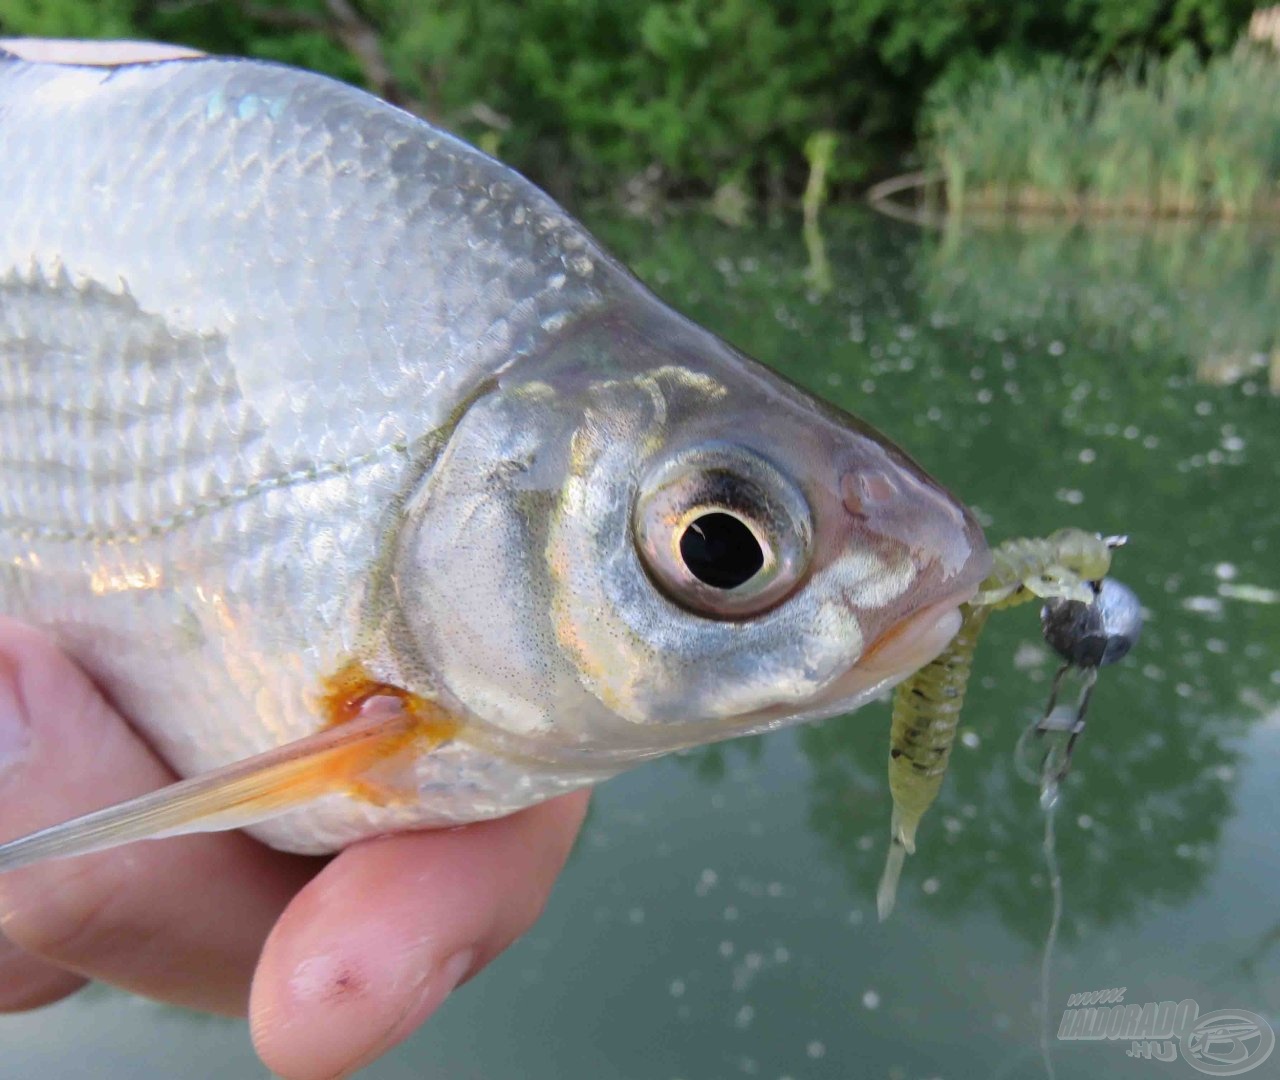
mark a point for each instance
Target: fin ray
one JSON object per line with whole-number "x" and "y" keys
{"x": 239, "y": 794}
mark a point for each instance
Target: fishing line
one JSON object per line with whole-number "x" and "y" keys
{"x": 1049, "y": 803}
{"x": 1043, "y": 757}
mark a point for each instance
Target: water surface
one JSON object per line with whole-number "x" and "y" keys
{"x": 717, "y": 919}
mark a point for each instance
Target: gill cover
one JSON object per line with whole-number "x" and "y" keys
{"x": 643, "y": 540}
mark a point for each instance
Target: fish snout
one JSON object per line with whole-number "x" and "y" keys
{"x": 931, "y": 549}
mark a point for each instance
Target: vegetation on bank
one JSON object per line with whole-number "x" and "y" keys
{"x": 1172, "y": 136}
{"x": 650, "y": 99}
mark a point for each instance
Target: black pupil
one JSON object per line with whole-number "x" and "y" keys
{"x": 720, "y": 551}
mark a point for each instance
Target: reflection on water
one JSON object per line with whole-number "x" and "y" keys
{"x": 718, "y": 917}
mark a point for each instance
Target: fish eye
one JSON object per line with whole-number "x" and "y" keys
{"x": 722, "y": 532}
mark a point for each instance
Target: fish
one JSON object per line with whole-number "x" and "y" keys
{"x": 378, "y": 496}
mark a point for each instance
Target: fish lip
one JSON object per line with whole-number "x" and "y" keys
{"x": 909, "y": 639}
{"x": 895, "y": 639}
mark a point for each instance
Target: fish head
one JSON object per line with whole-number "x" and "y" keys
{"x": 639, "y": 540}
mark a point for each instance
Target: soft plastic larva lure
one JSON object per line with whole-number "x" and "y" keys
{"x": 926, "y": 707}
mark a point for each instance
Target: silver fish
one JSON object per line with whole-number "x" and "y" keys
{"x": 378, "y": 496}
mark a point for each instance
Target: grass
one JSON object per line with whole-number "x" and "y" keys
{"x": 1177, "y": 136}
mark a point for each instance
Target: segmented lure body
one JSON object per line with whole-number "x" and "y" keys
{"x": 1060, "y": 565}
{"x": 927, "y": 706}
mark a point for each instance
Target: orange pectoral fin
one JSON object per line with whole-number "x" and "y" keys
{"x": 333, "y": 761}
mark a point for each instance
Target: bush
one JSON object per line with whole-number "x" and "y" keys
{"x": 585, "y": 95}
{"x": 1171, "y": 136}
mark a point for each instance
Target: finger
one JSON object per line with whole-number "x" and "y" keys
{"x": 28, "y": 983}
{"x": 180, "y": 920}
{"x": 376, "y": 942}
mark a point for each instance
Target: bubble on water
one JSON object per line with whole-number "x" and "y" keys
{"x": 1215, "y": 645}
{"x": 636, "y": 915}
{"x": 1056, "y": 348}
{"x": 1071, "y": 496}
{"x": 871, "y": 1000}
{"x": 984, "y": 396}
{"x": 1225, "y": 571}
{"x": 970, "y": 740}
{"x": 1088, "y": 456}
{"x": 816, "y": 1049}
{"x": 855, "y": 916}
{"x": 1203, "y": 605}
{"x": 1233, "y": 444}
{"x": 1085, "y": 821}
{"x": 726, "y": 949}
{"x": 706, "y": 882}
{"x": 1203, "y": 408}
{"x": 1029, "y": 656}
{"x": 744, "y": 1017}
{"x": 677, "y": 988}
{"x": 1131, "y": 432}
{"x": 866, "y": 842}
{"x": 781, "y": 954}
{"x": 930, "y": 886}
{"x": 730, "y": 914}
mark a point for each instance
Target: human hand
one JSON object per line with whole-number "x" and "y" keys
{"x": 334, "y": 961}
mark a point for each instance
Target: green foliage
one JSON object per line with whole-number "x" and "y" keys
{"x": 1171, "y": 136}
{"x": 586, "y": 95}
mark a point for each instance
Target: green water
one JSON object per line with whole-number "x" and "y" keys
{"x": 717, "y": 919}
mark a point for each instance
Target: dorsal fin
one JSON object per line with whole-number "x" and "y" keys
{"x": 75, "y": 53}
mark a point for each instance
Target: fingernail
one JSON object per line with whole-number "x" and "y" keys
{"x": 435, "y": 989}
{"x": 15, "y": 736}
{"x": 453, "y": 969}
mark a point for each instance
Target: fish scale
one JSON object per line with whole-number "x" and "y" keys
{"x": 189, "y": 348}
{"x": 305, "y": 403}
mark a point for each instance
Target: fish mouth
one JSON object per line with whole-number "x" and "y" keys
{"x": 914, "y": 641}
{"x": 902, "y": 650}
